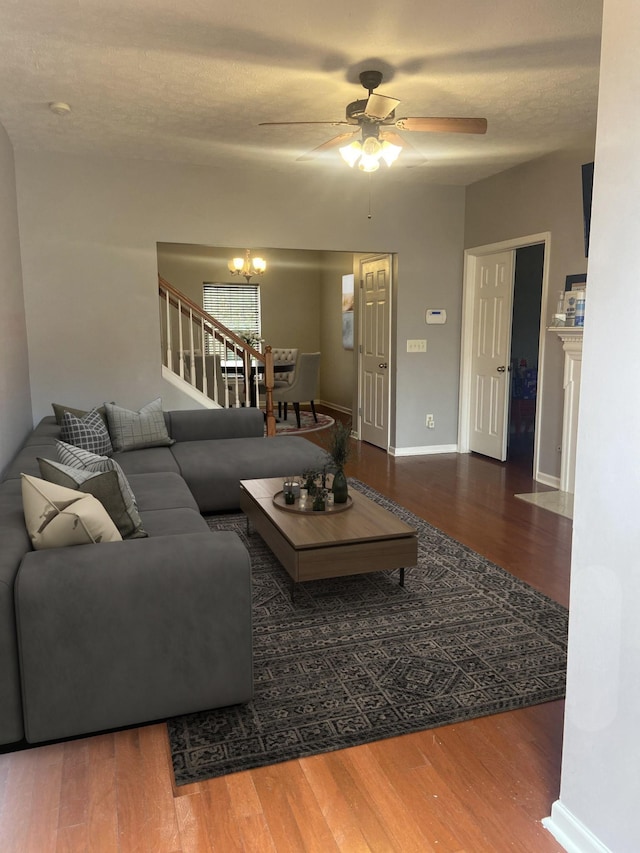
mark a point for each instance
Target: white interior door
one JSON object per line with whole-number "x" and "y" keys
{"x": 375, "y": 343}
{"x": 490, "y": 367}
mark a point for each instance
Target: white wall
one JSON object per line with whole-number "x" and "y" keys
{"x": 89, "y": 232}
{"x": 543, "y": 195}
{"x": 15, "y": 395}
{"x": 600, "y": 789}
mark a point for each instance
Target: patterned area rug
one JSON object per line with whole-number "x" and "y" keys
{"x": 360, "y": 658}
{"x": 307, "y": 423}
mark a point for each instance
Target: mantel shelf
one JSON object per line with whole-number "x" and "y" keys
{"x": 568, "y": 333}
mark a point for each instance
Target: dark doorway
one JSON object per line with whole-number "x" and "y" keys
{"x": 525, "y": 336}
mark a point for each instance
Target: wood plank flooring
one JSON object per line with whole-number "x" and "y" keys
{"x": 476, "y": 787}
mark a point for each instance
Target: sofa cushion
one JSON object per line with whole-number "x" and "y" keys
{"x": 213, "y": 469}
{"x": 89, "y": 432}
{"x": 26, "y": 462}
{"x": 133, "y": 430}
{"x": 171, "y": 522}
{"x": 162, "y": 490}
{"x": 57, "y": 517}
{"x": 151, "y": 460}
{"x": 110, "y": 488}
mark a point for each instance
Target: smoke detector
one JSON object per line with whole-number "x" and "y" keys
{"x": 60, "y": 108}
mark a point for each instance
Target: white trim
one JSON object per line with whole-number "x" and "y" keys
{"x": 188, "y": 389}
{"x": 470, "y": 259}
{"x": 390, "y": 360}
{"x": 570, "y": 832}
{"x": 335, "y": 406}
{"x": 423, "y": 451}
{"x": 548, "y": 480}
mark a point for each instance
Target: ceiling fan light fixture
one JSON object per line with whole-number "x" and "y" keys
{"x": 390, "y": 152}
{"x": 369, "y": 163}
{"x": 351, "y": 153}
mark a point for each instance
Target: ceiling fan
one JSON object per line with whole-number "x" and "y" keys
{"x": 376, "y": 123}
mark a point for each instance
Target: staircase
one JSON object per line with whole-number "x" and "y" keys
{"x": 212, "y": 363}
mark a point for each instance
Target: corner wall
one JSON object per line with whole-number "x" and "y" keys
{"x": 543, "y": 195}
{"x": 600, "y": 784}
{"x": 15, "y": 394}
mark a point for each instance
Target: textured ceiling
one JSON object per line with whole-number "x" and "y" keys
{"x": 189, "y": 80}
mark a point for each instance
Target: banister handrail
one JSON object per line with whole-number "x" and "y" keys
{"x": 221, "y": 333}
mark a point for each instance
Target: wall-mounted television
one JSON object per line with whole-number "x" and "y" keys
{"x": 587, "y": 192}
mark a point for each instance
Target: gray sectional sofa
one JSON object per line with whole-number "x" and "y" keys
{"x": 99, "y": 636}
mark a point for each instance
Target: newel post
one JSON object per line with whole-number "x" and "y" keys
{"x": 268, "y": 383}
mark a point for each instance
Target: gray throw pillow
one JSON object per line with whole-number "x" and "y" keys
{"x": 88, "y": 432}
{"x": 134, "y": 430}
{"x": 59, "y": 410}
{"x": 105, "y": 486}
{"x": 76, "y": 457}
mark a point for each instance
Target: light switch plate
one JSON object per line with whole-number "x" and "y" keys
{"x": 416, "y": 346}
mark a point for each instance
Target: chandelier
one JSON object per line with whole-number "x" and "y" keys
{"x": 247, "y": 266}
{"x": 368, "y": 153}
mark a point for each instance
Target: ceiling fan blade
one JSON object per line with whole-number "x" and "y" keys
{"x": 395, "y": 139}
{"x": 380, "y": 106}
{"x": 443, "y": 125}
{"x": 331, "y": 143}
{"x": 274, "y": 123}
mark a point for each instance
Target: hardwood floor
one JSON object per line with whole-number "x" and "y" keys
{"x": 476, "y": 787}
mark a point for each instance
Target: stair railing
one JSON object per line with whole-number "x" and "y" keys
{"x": 213, "y": 359}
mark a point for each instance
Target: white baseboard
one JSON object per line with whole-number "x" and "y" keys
{"x": 571, "y": 832}
{"x": 423, "y": 451}
{"x": 547, "y": 480}
{"x": 335, "y": 406}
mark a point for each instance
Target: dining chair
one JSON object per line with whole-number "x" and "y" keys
{"x": 284, "y": 355}
{"x": 304, "y": 386}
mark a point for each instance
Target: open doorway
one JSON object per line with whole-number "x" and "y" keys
{"x": 485, "y": 411}
{"x": 525, "y": 346}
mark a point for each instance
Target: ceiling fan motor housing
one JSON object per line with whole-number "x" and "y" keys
{"x": 356, "y": 114}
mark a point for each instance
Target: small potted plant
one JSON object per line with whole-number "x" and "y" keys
{"x": 338, "y": 447}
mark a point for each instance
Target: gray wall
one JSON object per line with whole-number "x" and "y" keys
{"x": 543, "y": 195}
{"x": 90, "y": 228}
{"x": 338, "y": 373}
{"x": 15, "y": 395}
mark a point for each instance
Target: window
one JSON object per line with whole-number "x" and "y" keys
{"x": 236, "y": 306}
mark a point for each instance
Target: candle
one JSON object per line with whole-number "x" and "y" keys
{"x": 329, "y": 500}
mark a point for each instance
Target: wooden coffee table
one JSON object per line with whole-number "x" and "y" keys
{"x": 314, "y": 545}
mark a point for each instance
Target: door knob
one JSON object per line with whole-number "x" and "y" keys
{"x": 384, "y": 365}
{"x": 501, "y": 369}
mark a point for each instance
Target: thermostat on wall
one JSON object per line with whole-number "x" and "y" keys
{"x": 436, "y": 316}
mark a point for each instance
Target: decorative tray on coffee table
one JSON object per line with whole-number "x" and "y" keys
{"x": 279, "y": 501}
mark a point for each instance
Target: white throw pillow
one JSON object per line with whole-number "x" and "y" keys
{"x": 57, "y": 517}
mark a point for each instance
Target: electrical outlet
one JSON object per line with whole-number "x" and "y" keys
{"x": 416, "y": 346}
{"x": 430, "y": 423}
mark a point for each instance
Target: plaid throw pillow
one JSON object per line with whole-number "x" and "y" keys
{"x": 134, "y": 430}
{"x": 76, "y": 457}
{"x": 88, "y": 432}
